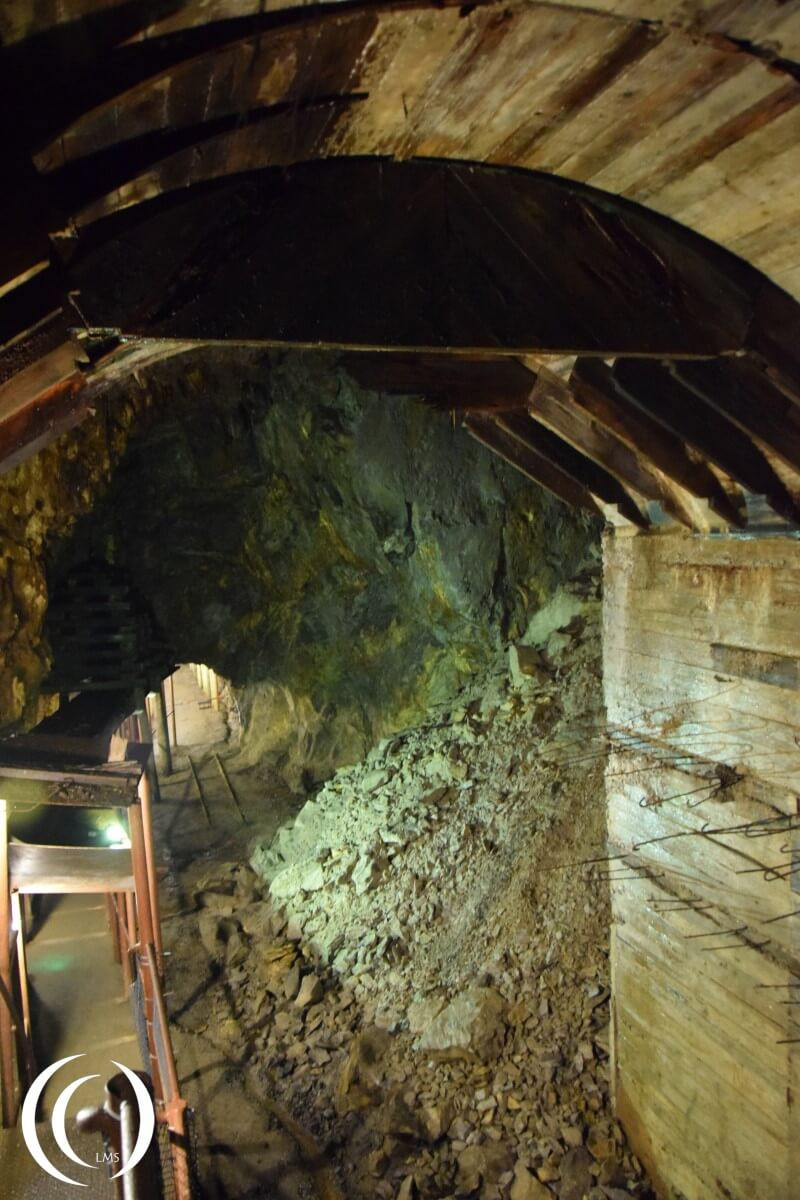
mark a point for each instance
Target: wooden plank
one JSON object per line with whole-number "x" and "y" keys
{"x": 123, "y": 776}
{"x": 742, "y": 392}
{"x": 63, "y": 870}
{"x": 37, "y": 746}
{"x": 732, "y": 980}
{"x": 531, "y": 434}
{"x": 652, "y": 389}
{"x": 534, "y": 465}
{"x": 80, "y": 787}
{"x": 778, "y": 669}
{"x": 687, "y": 1089}
{"x": 593, "y": 390}
{"x": 455, "y": 381}
{"x": 551, "y": 404}
{"x": 709, "y": 589}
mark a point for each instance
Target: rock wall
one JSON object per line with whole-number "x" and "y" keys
{"x": 345, "y": 558}
{"x": 41, "y": 502}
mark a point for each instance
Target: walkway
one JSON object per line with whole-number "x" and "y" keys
{"x": 241, "y": 1153}
{"x": 78, "y": 1008}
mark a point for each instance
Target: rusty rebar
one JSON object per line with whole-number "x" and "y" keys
{"x": 199, "y": 790}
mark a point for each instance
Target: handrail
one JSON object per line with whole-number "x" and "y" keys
{"x": 171, "y": 1107}
{"x": 118, "y": 1123}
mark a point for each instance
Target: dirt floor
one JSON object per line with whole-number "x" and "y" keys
{"x": 398, "y": 986}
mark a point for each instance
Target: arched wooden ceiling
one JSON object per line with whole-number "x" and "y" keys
{"x": 689, "y": 109}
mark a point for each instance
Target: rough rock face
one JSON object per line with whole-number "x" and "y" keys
{"x": 40, "y": 502}
{"x": 347, "y": 559}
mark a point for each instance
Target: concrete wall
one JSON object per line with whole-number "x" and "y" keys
{"x": 702, "y": 687}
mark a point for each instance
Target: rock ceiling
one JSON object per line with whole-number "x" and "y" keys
{"x": 155, "y": 137}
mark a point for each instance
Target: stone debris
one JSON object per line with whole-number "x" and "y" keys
{"x": 410, "y": 969}
{"x": 526, "y": 1186}
{"x": 310, "y": 992}
{"x": 473, "y": 1021}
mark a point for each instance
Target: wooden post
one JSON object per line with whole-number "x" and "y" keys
{"x": 152, "y": 878}
{"x": 123, "y": 936}
{"x": 112, "y": 915}
{"x": 173, "y": 718}
{"x": 6, "y": 1030}
{"x": 22, "y": 961}
{"x": 146, "y": 735}
{"x": 130, "y": 919}
{"x": 161, "y": 730}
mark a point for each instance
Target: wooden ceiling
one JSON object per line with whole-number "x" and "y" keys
{"x": 624, "y": 362}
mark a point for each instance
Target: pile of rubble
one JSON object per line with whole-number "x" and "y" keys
{"x": 417, "y": 966}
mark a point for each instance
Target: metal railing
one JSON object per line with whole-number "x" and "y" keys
{"x": 155, "y": 1176}
{"x": 171, "y": 1107}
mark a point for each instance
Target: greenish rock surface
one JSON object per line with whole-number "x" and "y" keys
{"x": 346, "y": 559}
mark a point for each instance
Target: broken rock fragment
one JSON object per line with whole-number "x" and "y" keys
{"x": 366, "y": 874}
{"x": 472, "y": 1022}
{"x": 576, "y": 1178}
{"x": 481, "y": 1165}
{"x": 527, "y": 1187}
{"x": 299, "y": 877}
{"x": 310, "y": 991}
{"x": 526, "y": 666}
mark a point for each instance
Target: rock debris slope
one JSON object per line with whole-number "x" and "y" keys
{"x": 414, "y": 969}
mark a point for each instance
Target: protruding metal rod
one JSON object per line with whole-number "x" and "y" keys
{"x": 715, "y": 933}
{"x": 199, "y": 790}
{"x": 173, "y": 720}
{"x": 229, "y": 786}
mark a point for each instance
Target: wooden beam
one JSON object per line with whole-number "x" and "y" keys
{"x": 456, "y": 381}
{"x": 532, "y": 435}
{"x": 53, "y": 394}
{"x": 593, "y": 390}
{"x": 60, "y": 870}
{"x": 741, "y": 391}
{"x": 654, "y": 390}
{"x": 551, "y": 403}
{"x": 774, "y": 336}
{"x": 535, "y": 466}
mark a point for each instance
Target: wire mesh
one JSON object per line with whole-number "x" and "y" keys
{"x": 140, "y": 1020}
{"x": 170, "y": 1189}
